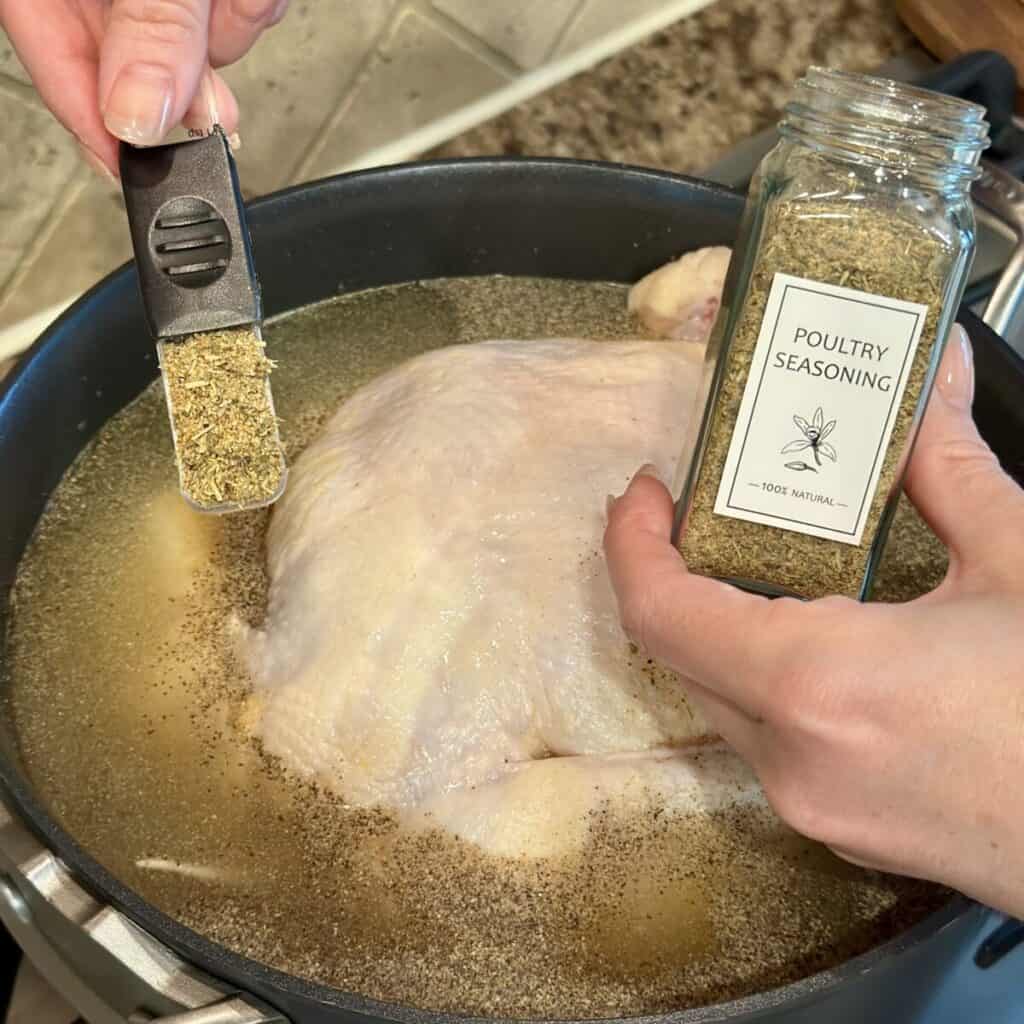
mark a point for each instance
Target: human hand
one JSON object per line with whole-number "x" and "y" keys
{"x": 134, "y": 69}
{"x": 894, "y": 734}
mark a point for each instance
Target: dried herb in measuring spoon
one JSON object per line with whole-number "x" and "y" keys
{"x": 855, "y": 247}
{"x": 222, "y": 415}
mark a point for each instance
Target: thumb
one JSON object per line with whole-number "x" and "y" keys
{"x": 235, "y": 25}
{"x": 150, "y": 62}
{"x": 954, "y": 479}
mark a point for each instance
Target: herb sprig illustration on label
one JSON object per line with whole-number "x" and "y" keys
{"x": 813, "y": 436}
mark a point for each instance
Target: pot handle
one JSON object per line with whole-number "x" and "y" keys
{"x": 989, "y": 79}
{"x": 1006, "y": 938}
{"x": 1003, "y": 195}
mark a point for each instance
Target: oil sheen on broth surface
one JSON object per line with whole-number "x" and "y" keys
{"x": 130, "y": 710}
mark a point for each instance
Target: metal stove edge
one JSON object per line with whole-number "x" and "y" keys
{"x": 81, "y": 945}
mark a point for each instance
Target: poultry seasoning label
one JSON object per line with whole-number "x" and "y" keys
{"x": 818, "y": 408}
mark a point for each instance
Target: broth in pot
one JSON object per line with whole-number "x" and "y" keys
{"x": 139, "y": 726}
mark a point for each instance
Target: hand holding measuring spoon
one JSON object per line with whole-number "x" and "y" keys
{"x": 132, "y": 70}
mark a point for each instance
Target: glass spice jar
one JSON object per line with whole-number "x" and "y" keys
{"x": 853, "y": 254}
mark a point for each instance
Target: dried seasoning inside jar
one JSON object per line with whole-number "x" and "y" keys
{"x": 866, "y": 253}
{"x": 226, "y": 433}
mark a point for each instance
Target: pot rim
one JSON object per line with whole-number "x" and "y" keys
{"x": 218, "y": 960}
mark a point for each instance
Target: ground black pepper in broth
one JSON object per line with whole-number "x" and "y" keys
{"x": 854, "y": 246}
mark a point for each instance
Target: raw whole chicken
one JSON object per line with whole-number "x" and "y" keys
{"x": 680, "y": 300}
{"x": 442, "y": 638}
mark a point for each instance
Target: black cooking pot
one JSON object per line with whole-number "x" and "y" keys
{"x": 517, "y": 217}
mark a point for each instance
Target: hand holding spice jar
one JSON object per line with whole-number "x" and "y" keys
{"x": 852, "y": 258}
{"x": 890, "y": 732}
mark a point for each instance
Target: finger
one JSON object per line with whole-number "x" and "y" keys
{"x": 153, "y": 54}
{"x": 214, "y": 103}
{"x": 236, "y": 24}
{"x": 953, "y": 478}
{"x": 708, "y": 631}
{"x": 736, "y": 727}
{"x": 63, "y": 67}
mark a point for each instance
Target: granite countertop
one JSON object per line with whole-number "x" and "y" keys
{"x": 685, "y": 96}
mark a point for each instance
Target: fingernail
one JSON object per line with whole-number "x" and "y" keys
{"x": 647, "y": 469}
{"x": 279, "y": 12}
{"x": 609, "y": 504}
{"x": 208, "y": 91}
{"x": 93, "y": 160}
{"x": 139, "y": 104}
{"x": 956, "y": 371}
